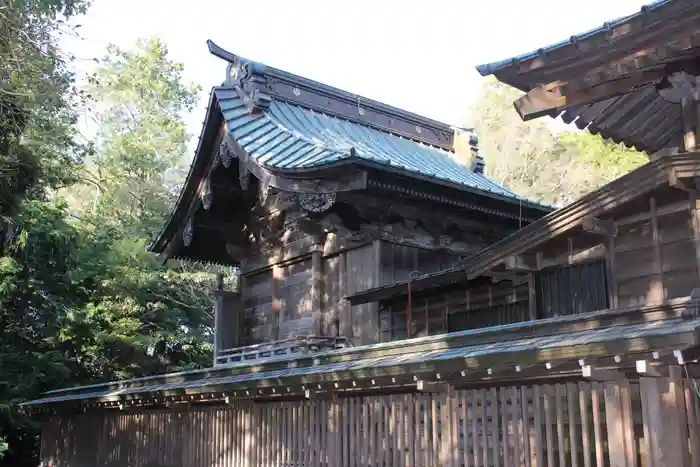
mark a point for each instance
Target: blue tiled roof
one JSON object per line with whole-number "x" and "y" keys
{"x": 290, "y": 137}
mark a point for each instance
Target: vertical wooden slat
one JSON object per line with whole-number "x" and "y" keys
{"x": 517, "y": 426}
{"x": 679, "y": 414}
{"x": 628, "y": 420}
{"x": 693, "y": 427}
{"x": 539, "y": 445}
{"x": 410, "y": 443}
{"x": 466, "y": 458}
{"x": 484, "y": 428}
{"x": 573, "y": 436}
{"x": 474, "y": 413}
{"x": 420, "y": 437}
{"x": 444, "y": 449}
{"x": 584, "y": 390}
{"x": 558, "y": 395}
{"x": 495, "y": 431}
{"x": 525, "y": 423}
{"x": 596, "y": 390}
{"x": 455, "y": 426}
{"x": 615, "y": 426}
{"x": 505, "y": 422}
{"x": 399, "y": 417}
{"x": 435, "y": 448}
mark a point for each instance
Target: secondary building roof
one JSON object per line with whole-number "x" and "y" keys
{"x": 607, "y": 79}
{"x": 468, "y": 356}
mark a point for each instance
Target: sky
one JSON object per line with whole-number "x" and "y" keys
{"x": 418, "y": 55}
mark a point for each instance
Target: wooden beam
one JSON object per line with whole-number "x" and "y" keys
{"x": 557, "y": 96}
{"x": 596, "y": 374}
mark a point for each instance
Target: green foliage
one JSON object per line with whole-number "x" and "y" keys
{"x": 37, "y": 146}
{"x": 535, "y": 160}
{"x": 80, "y": 298}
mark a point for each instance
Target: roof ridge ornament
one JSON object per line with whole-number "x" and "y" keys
{"x": 245, "y": 76}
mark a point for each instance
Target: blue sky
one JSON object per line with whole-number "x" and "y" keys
{"x": 417, "y": 55}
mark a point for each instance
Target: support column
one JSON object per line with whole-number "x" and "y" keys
{"x": 689, "y": 123}
{"x": 316, "y": 288}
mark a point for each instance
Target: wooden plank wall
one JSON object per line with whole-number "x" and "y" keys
{"x": 573, "y": 424}
{"x": 398, "y": 261}
{"x": 456, "y": 310}
{"x": 655, "y": 254}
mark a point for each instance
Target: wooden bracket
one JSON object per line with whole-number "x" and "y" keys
{"x": 605, "y": 228}
{"x": 675, "y": 182}
{"x": 558, "y": 96}
{"x": 520, "y": 263}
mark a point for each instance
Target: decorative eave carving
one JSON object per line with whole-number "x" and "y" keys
{"x": 316, "y": 202}
{"x": 187, "y": 232}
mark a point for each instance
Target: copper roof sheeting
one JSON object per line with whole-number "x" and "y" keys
{"x": 660, "y": 34}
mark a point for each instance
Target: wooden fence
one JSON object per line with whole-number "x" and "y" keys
{"x": 574, "y": 424}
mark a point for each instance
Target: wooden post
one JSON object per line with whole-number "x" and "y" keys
{"x": 612, "y": 278}
{"x": 657, "y": 246}
{"x": 532, "y": 297}
{"x": 695, "y": 216}
{"x": 277, "y": 311}
{"x": 688, "y": 122}
{"x": 316, "y": 286}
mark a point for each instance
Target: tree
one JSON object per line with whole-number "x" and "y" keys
{"x": 535, "y": 160}
{"x": 37, "y": 147}
{"x": 145, "y": 318}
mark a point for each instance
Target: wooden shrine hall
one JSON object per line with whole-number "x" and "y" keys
{"x": 398, "y": 308}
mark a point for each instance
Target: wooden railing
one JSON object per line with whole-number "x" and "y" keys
{"x": 280, "y": 349}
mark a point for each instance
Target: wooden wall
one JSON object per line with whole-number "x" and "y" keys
{"x": 399, "y": 261}
{"x": 456, "y": 310}
{"x": 347, "y": 273}
{"x": 617, "y": 424}
{"x": 655, "y": 253}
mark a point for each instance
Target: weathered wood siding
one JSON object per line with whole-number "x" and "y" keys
{"x": 399, "y": 261}
{"x": 361, "y": 273}
{"x": 655, "y": 257}
{"x": 618, "y": 424}
{"x": 456, "y": 310}
{"x": 571, "y": 289}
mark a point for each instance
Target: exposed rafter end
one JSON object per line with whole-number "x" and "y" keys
{"x": 558, "y": 96}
